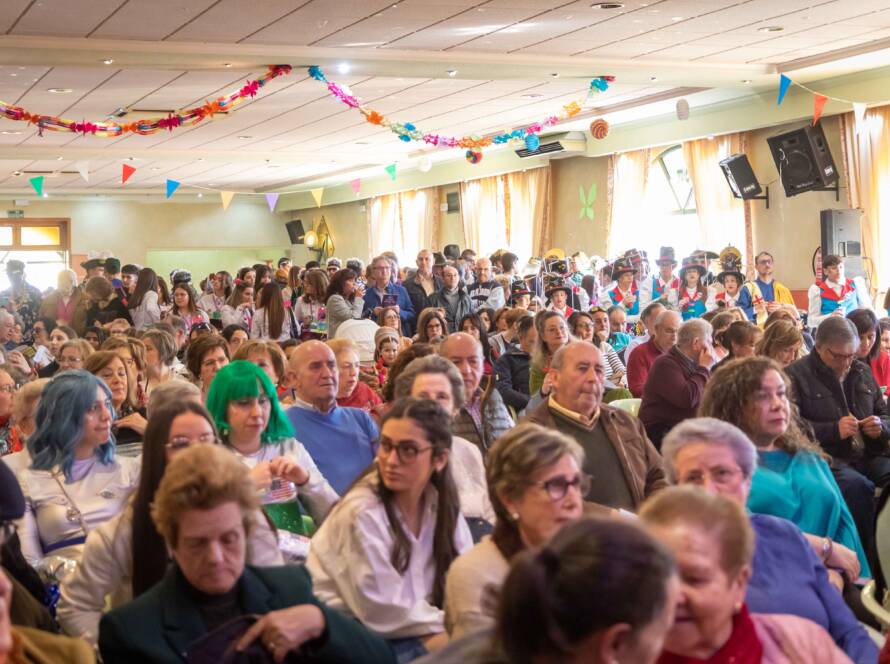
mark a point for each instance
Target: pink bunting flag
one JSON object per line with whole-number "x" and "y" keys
{"x": 818, "y": 105}
{"x": 356, "y": 186}
{"x": 272, "y": 201}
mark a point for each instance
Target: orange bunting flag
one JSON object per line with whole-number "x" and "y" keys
{"x": 818, "y": 105}
{"x": 126, "y": 172}
{"x": 226, "y": 197}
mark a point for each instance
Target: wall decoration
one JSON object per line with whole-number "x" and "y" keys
{"x": 474, "y": 156}
{"x": 682, "y": 109}
{"x": 356, "y": 186}
{"x": 172, "y": 186}
{"x": 391, "y": 169}
{"x": 599, "y": 129}
{"x": 126, "y": 172}
{"x": 532, "y": 142}
{"x": 409, "y": 132}
{"x": 37, "y": 183}
{"x": 145, "y": 126}
{"x": 272, "y": 201}
{"x": 819, "y": 99}
{"x": 587, "y": 201}
{"x": 226, "y": 197}
{"x": 317, "y": 194}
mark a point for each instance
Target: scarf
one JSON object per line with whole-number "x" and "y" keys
{"x": 743, "y": 646}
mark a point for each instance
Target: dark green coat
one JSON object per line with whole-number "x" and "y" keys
{"x": 159, "y": 626}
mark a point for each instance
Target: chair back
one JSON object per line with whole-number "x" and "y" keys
{"x": 631, "y": 406}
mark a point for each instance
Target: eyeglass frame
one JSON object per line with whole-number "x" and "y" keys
{"x": 387, "y": 447}
{"x": 579, "y": 483}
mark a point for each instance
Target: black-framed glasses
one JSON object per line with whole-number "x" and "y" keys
{"x": 557, "y": 487}
{"x": 407, "y": 452}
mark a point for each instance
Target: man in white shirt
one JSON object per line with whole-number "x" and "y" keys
{"x": 835, "y": 294}
{"x": 485, "y": 291}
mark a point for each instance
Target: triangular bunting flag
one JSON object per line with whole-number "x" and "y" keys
{"x": 818, "y": 105}
{"x": 271, "y": 201}
{"x": 859, "y": 111}
{"x": 391, "y": 169}
{"x": 126, "y": 172}
{"x": 83, "y": 167}
{"x": 784, "y": 82}
{"x": 37, "y": 183}
{"x": 172, "y": 185}
{"x": 317, "y": 194}
{"x": 226, "y": 197}
{"x": 356, "y": 186}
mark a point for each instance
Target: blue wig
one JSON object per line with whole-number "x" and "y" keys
{"x": 60, "y": 415}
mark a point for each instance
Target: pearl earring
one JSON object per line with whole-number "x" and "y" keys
{"x": 515, "y": 516}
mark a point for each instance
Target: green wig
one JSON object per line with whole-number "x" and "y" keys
{"x": 245, "y": 380}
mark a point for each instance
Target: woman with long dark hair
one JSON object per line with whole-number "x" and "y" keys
{"x": 473, "y": 325}
{"x": 238, "y": 309}
{"x": 221, "y": 285}
{"x": 126, "y": 556}
{"x": 870, "y": 350}
{"x": 343, "y": 300}
{"x": 143, "y": 303}
{"x": 271, "y": 320}
{"x": 383, "y": 553}
{"x": 185, "y": 305}
{"x": 310, "y": 308}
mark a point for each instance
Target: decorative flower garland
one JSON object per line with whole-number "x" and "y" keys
{"x": 409, "y": 132}
{"x": 146, "y": 126}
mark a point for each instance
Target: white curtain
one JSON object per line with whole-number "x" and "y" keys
{"x": 484, "y": 215}
{"x": 529, "y": 219}
{"x": 402, "y": 223}
{"x": 629, "y": 175}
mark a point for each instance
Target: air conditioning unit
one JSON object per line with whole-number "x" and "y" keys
{"x": 568, "y": 143}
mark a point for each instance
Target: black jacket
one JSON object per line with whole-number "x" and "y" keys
{"x": 453, "y": 314}
{"x": 418, "y": 296}
{"x": 822, "y": 401}
{"x": 511, "y": 372}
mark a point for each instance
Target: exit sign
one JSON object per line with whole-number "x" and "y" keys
{"x": 15, "y": 214}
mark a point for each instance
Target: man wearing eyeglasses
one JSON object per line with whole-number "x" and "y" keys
{"x": 382, "y": 293}
{"x": 624, "y": 464}
{"x": 767, "y": 294}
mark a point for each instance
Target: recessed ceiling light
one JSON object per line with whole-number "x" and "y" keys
{"x": 45, "y": 195}
{"x": 10, "y": 133}
{"x": 532, "y": 95}
{"x": 653, "y": 78}
{"x": 245, "y": 138}
{"x": 200, "y": 195}
{"x": 362, "y": 143}
{"x": 200, "y": 159}
{"x": 155, "y": 168}
{"x": 59, "y": 158}
{"x": 676, "y": 18}
{"x": 108, "y": 61}
{"x": 17, "y": 173}
{"x": 343, "y": 67}
{"x": 555, "y": 74}
{"x": 274, "y": 166}
{"x": 13, "y": 74}
{"x": 771, "y": 28}
{"x": 59, "y": 91}
{"x": 452, "y": 72}
{"x": 227, "y": 65}
{"x": 711, "y": 137}
{"x": 747, "y": 81}
{"x": 607, "y": 5}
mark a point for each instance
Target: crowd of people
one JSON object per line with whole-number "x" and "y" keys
{"x": 467, "y": 460}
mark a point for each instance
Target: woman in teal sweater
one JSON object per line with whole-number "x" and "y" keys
{"x": 792, "y": 480}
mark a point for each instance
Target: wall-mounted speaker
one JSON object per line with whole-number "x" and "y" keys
{"x": 804, "y": 160}
{"x": 295, "y": 231}
{"x": 740, "y": 176}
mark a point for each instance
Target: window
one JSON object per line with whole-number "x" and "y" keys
{"x": 41, "y": 244}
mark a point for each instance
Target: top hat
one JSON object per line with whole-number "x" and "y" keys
{"x": 622, "y": 266}
{"x": 518, "y": 288}
{"x": 731, "y": 264}
{"x": 666, "y": 255}
{"x": 694, "y": 262}
{"x": 553, "y": 283}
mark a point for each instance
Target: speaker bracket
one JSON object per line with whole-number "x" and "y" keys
{"x": 765, "y": 197}
{"x": 836, "y": 189}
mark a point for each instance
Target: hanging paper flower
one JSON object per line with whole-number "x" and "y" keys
{"x": 532, "y": 142}
{"x": 250, "y": 89}
{"x": 316, "y": 73}
{"x": 375, "y": 118}
{"x": 600, "y": 84}
{"x": 474, "y": 156}
{"x": 572, "y": 108}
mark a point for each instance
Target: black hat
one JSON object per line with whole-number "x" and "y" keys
{"x": 452, "y": 252}
{"x": 553, "y": 283}
{"x": 666, "y": 255}
{"x": 560, "y": 266}
{"x": 93, "y": 263}
{"x": 697, "y": 263}
{"x": 12, "y": 502}
{"x": 731, "y": 264}
{"x": 283, "y": 260}
{"x": 518, "y": 288}
{"x": 621, "y": 266}
{"x": 15, "y": 267}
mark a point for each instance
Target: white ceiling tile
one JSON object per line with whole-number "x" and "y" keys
{"x": 9, "y": 12}
{"x": 232, "y": 20}
{"x": 150, "y": 19}
{"x": 65, "y": 18}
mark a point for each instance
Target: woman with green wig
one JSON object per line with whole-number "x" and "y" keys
{"x": 243, "y": 402}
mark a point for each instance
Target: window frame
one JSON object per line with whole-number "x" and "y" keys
{"x": 63, "y": 224}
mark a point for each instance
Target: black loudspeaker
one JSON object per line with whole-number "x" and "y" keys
{"x": 295, "y": 231}
{"x": 804, "y": 160}
{"x": 740, "y": 176}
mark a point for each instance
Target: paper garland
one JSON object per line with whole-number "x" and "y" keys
{"x": 819, "y": 100}
{"x": 409, "y": 132}
{"x": 145, "y": 126}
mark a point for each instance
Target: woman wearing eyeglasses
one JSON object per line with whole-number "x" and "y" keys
{"x": 126, "y": 556}
{"x": 383, "y": 553}
{"x": 129, "y": 423}
{"x": 244, "y": 405}
{"x": 536, "y": 487}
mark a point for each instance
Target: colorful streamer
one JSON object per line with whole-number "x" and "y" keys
{"x": 409, "y": 132}
{"x": 145, "y": 126}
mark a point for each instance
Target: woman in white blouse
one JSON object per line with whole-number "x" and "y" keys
{"x": 244, "y": 405}
{"x": 126, "y": 555}
{"x": 143, "y": 303}
{"x": 74, "y": 482}
{"x": 536, "y": 486}
{"x": 272, "y": 320}
{"x": 383, "y": 553}
{"x": 238, "y": 309}
{"x": 435, "y": 378}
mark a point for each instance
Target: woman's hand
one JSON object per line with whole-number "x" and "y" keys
{"x": 261, "y": 475}
{"x": 16, "y": 359}
{"x": 836, "y": 580}
{"x": 844, "y": 560}
{"x": 285, "y": 630}
{"x": 289, "y": 470}
{"x": 133, "y": 421}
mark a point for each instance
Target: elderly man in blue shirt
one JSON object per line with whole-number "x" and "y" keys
{"x": 381, "y": 292}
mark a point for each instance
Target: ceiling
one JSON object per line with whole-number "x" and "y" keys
{"x": 173, "y": 54}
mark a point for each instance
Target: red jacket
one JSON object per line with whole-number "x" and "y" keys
{"x": 639, "y": 364}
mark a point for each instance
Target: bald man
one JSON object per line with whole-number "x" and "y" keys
{"x": 485, "y": 291}
{"x": 484, "y": 418}
{"x": 624, "y": 464}
{"x": 340, "y": 440}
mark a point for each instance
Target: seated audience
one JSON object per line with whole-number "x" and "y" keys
{"x": 552, "y": 334}
{"x": 484, "y": 417}
{"x": 238, "y": 309}
{"x": 268, "y": 356}
{"x": 125, "y": 556}
{"x": 143, "y": 303}
{"x": 792, "y": 479}
{"x": 582, "y": 327}
{"x": 436, "y": 379}
{"x": 618, "y": 335}
{"x": 245, "y": 408}
{"x": 431, "y": 324}
{"x": 129, "y": 417}
{"x": 386, "y": 349}
{"x": 739, "y": 340}
{"x": 473, "y": 325}
{"x": 102, "y": 303}
{"x": 344, "y": 300}
{"x": 512, "y": 368}
{"x": 502, "y": 342}
{"x": 24, "y": 413}
{"x": 235, "y": 335}
{"x": 452, "y": 299}
{"x": 389, "y": 317}
{"x": 536, "y": 487}
{"x": 623, "y": 463}
{"x": 160, "y": 353}
{"x": 721, "y": 616}
{"x": 665, "y": 329}
{"x": 74, "y": 482}
{"x": 383, "y": 553}
{"x": 206, "y": 355}
{"x": 782, "y": 342}
{"x": 677, "y": 380}
{"x": 648, "y": 317}
{"x": 272, "y": 320}
{"x": 383, "y": 292}
{"x": 339, "y": 440}
{"x": 352, "y": 392}
{"x": 9, "y": 441}
{"x": 204, "y": 508}
{"x": 870, "y": 351}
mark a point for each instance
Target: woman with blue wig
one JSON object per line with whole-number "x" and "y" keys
{"x": 74, "y": 482}
{"x": 243, "y": 402}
